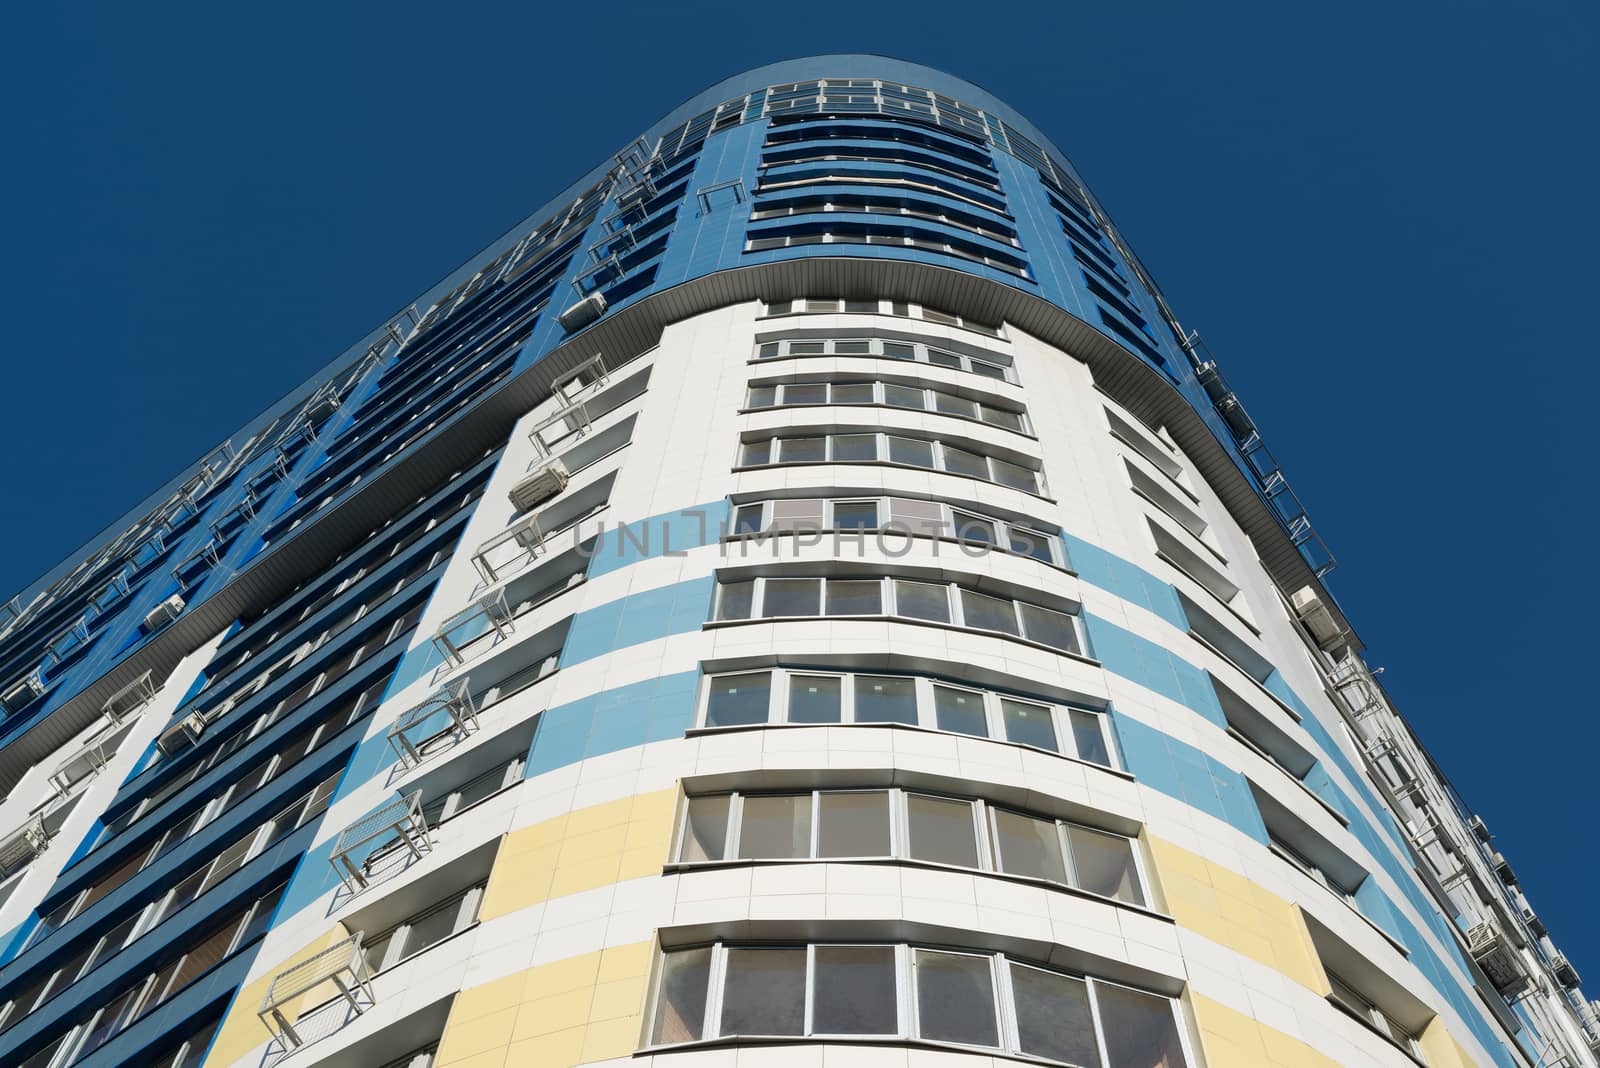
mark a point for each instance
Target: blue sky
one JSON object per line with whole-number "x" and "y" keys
{"x": 1380, "y": 217}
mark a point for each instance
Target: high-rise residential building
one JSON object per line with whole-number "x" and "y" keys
{"x": 798, "y": 598}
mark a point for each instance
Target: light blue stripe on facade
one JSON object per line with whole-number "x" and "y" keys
{"x": 612, "y": 720}
{"x": 1152, "y": 666}
{"x": 667, "y": 534}
{"x": 1127, "y": 580}
{"x": 12, "y": 940}
{"x": 637, "y": 618}
{"x": 1179, "y": 770}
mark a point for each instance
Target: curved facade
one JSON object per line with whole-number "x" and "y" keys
{"x": 798, "y": 598}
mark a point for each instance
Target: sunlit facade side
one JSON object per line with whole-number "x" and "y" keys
{"x": 800, "y": 597}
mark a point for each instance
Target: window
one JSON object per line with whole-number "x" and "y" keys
{"x": 904, "y": 207}
{"x": 739, "y": 700}
{"x": 934, "y": 994}
{"x": 479, "y": 788}
{"x": 912, "y": 825}
{"x": 269, "y": 766}
{"x": 1351, "y": 1000}
{"x": 801, "y": 598}
{"x": 884, "y": 699}
{"x": 898, "y": 308}
{"x": 1293, "y": 855}
{"x": 844, "y": 233}
{"x": 170, "y": 897}
{"x": 987, "y": 364}
{"x": 818, "y": 307}
{"x": 887, "y": 394}
{"x": 424, "y": 930}
{"x": 895, "y": 449}
{"x": 194, "y": 956}
{"x": 786, "y": 696}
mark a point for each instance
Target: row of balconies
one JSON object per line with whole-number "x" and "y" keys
{"x": 1455, "y": 848}
{"x": 397, "y": 833}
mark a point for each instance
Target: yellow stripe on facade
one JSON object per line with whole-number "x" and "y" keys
{"x": 1233, "y": 911}
{"x": 1234, "y": 1040}
{"x": 570, "y": 1012}
{"x": 583, "y": 850}
{"x": 1441, "y": 1050}
{"x": 242, "y": 1029}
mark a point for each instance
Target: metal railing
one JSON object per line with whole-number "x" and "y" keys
{"x": 472, "y": 625}
{"x": 447, "y": 713}
{"x": 398, "y": 825}
{"x": 343, "y": 964}
{"x": 130, "y": 698}
{"x": 1285, "y": 504}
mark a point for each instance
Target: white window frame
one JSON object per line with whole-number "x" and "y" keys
{"x": 985, "y": 829}
{"x": 397, "y": 951}
{"x": 954, "y": 600}
{"x": 930, "y": 400}
{"x": 885, "y": 504}
{"x": 908, "y": 1024}
{"x": 878, "y": 348}
{"x": 510, "y": 773}
{"x": 882, "y": 455}
{"x": 1369, "y": 1012}
{"x": 780, "y": 679}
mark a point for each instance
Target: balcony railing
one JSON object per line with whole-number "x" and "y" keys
{"x": 521, "y": 543}
{"x": 88, "y": 759}
{"x": 399, "y": 825}
{"x": 343, "y": 965}
{"x": 132, "y": 697}
{"x": 447, "y": 714}
{"x": 472, "y": 625}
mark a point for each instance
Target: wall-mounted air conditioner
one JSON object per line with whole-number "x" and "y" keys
{"x": 164, "y": 613}
{"x": 583, "y": 313}
{"x": 1324, "y": 629}
{"x": 539, "y": 486}
{"x": 1498, "y": 959}
{"x": 182, "y": 733}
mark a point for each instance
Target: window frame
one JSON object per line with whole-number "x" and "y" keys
{"x": 779, "y": 681}
{"x": 930, "y": 398}
{"x": 397, "y": 949}
{"x": 985, "y": 826}
{"x": 948, "y": 529}
{"x": 909, "y": 1024}
{"x": 1369, "y": 1013}
{"x": 956, "y": 598}
{"x": 878, "y": 348}
{"x": 751, "y": 453}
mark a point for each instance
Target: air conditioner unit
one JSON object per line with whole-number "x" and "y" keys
{"x": 583, "y": 313}
{"x": 182, "y": 734}
{"x": 538, "y": 487}
{"x": 164, "y": 613}
{"x": 24, "y": 692}
{"x": 1233, "y": 414}
{"x": 1480, "y": 830}
{"x": 1317, "y": 619}
{"x": 320, "y": 407}
{"x": 1498, "y": 959}
{"x": 1211, "y": 381}
{"x": 1564, "y": 972}
{"x": 23, "y": 844}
